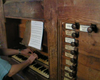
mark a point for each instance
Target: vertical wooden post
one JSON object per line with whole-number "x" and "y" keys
{"x": 50, "y": 17}
{"x": 3, "y": 42}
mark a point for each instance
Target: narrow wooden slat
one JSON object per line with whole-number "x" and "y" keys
{"x": 3, "y": 42}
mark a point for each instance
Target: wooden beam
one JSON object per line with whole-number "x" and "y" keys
{"x": 3, "y": 42}
{"x": 50, "y": 16}
{"x": 27, "y": 9}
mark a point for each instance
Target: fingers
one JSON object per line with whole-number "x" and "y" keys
{"x": 32, "y": 57}
{"x": 26, "y": 52}
{"x": 36, "y": 56}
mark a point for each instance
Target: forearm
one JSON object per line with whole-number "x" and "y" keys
{"x": 17, "y": 67}
{"x": 10, "y": 51}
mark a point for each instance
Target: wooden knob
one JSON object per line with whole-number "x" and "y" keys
{"x": 75, "y": 26}
{"x": 75, "y": 34}
{"x": 72, "y": 74}
{"x": 76, "y": 43}
{"x": 73, "y": 60}
{"x": 74, "y": 52}
{"x": 72, "y": 67}
{"x": 92, "y": 28}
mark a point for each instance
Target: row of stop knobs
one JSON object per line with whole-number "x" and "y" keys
{"x": 92, "y": 28}
{"x": 74, "y": 61}
{"x": 75, "y": 51}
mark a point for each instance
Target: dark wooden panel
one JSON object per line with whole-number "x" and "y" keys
{"x": 2, "y": 27}
{"x": 28, "y": 10}
{"x": 12, "y": 32}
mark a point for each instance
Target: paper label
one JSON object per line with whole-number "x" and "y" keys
{"x": 84, "y": 28}
{"x": 69, "y": 33}
{"x": 68, "y": 47}
{"x": 68, "y": 69}
{"x": 68, "y": 62}
{"x": 67, "y": 75}
{"x": 66, "y": 78}
{"x": 69, "y": 40}
{"x": 69, "y": 55}
{"x": 68, "y": 26}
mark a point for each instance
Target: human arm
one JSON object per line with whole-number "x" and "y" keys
{"x": 17, "y": 67}
{"x": 14, "y": 51}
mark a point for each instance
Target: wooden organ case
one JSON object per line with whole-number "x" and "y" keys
{"x": 79, "y": 26}
{"x": 73, "y": 35}
{"x": 17, "y": 14}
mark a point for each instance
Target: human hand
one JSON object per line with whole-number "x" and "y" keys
{"x": 26, "y": 52}
{"x": 32, "y": 57}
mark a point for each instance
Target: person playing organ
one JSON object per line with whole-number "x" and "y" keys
{"x": 7, "y": 70}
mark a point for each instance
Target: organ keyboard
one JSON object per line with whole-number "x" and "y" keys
{"x": 34, "y": 66}
{"x": 40, "y": 65}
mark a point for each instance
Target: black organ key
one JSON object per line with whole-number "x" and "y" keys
{"x": 46, "y": 71}
{"x": 33, "y": 63}
{"x": 37, "y": 65}
{"x": 42, "y": 68}
{"x": 40, "y": 55}
{"x": 44, "y": 57}
{"x": 21, "y": 57}
{"x": 24, "y": 58}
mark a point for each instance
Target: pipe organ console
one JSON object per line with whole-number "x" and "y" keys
{"x": 41, "y": 65}
{"x": 71, "y": 39}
